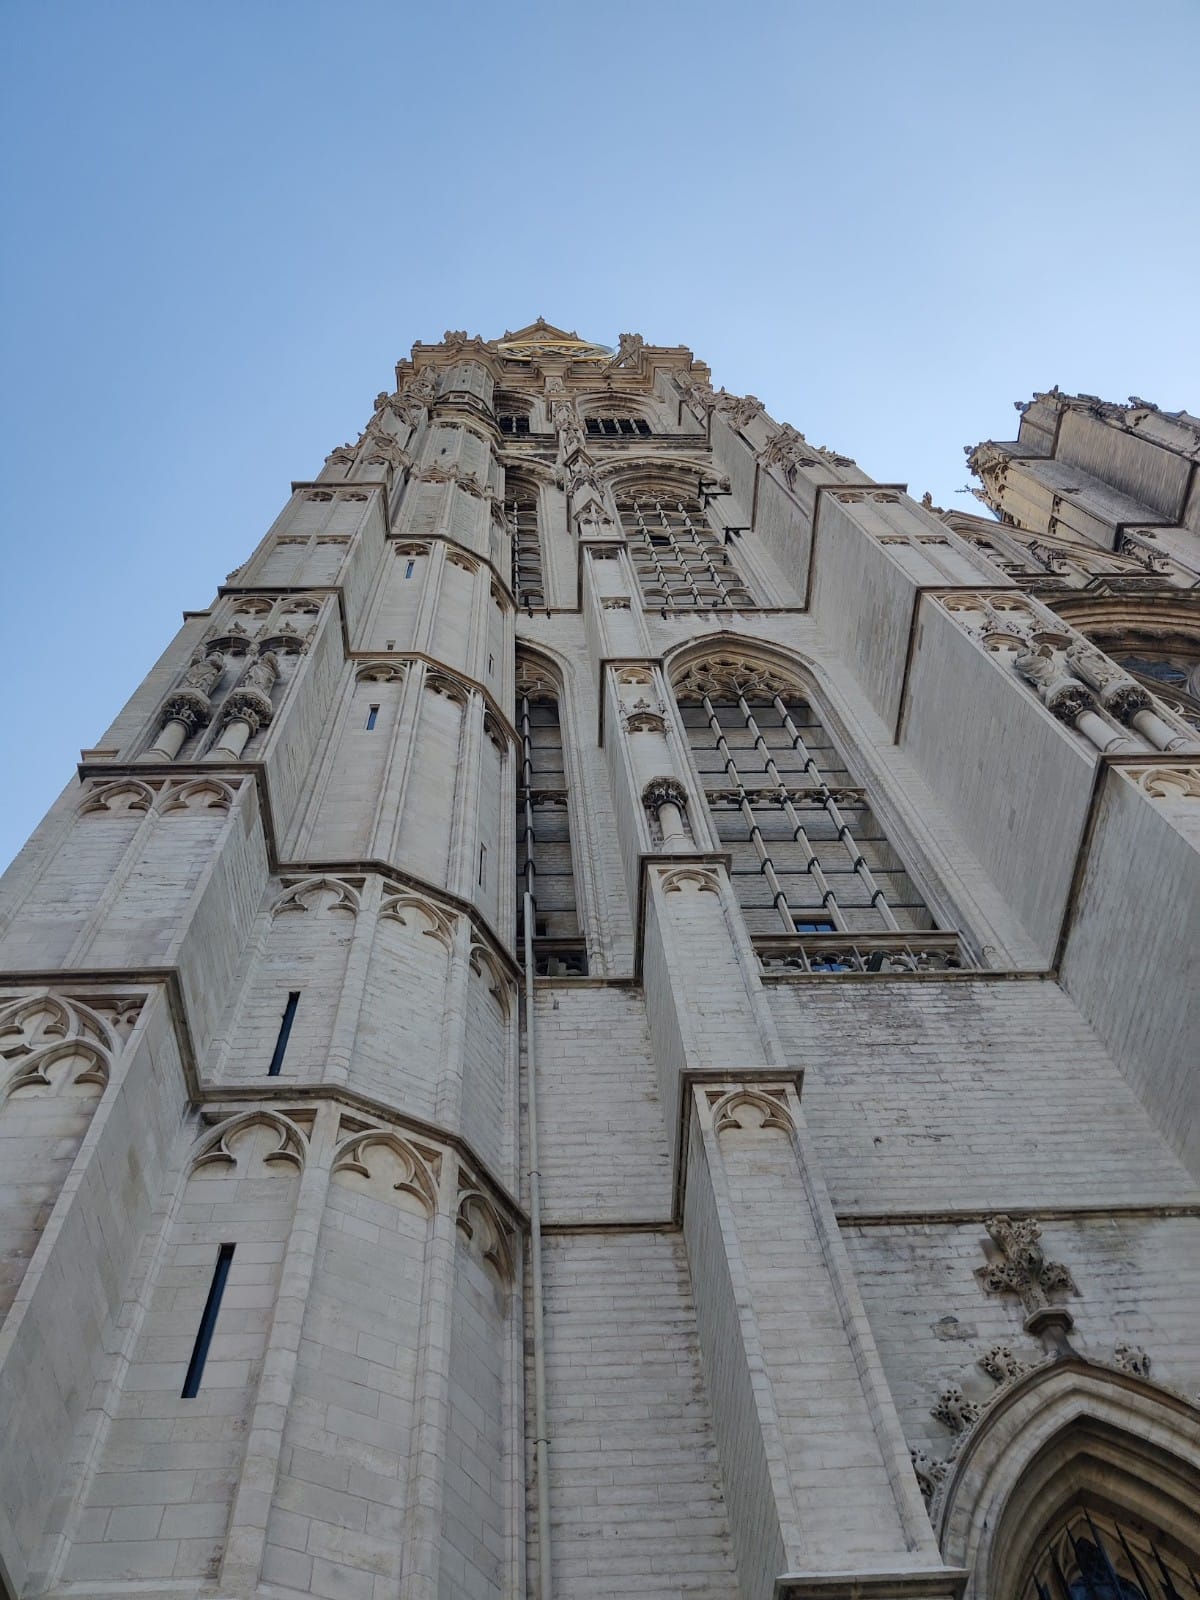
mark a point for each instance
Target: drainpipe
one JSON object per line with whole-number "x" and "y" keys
{"x": 540, "y": 1442}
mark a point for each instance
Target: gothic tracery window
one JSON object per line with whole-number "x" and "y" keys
{"x": 544, "y": 866}
{"x": 1092, "y": 1555}
{"x": 808, "y": 855}
{"x": 680, "y": 559}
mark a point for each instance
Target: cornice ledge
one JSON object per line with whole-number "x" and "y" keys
{"x": 929, "y": 1583}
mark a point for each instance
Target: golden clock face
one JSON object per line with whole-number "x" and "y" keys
{"x": 572, "y": 349}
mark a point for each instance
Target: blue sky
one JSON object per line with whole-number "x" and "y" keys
{"x": 225, "y": 221}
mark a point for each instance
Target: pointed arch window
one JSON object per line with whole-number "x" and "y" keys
{"x": 545, "y": 870}
{"x": 521, "y": 514}
{"x": 1092, "y": 1555}
{"x": 808, "y": 854}
{"x": 681, "y": 561}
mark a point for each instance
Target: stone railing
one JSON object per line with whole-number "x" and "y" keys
{"x": 886, "y": 954}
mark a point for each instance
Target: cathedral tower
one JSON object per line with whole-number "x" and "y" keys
{"x": 615, "y": 1020}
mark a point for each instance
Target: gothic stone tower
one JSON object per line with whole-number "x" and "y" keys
{"x": 611, "y": 1020}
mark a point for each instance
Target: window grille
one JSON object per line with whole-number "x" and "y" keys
{"x": 1094, "y": 1556}
{"x": 807, "y": 853}
{"x": 617, "y": 427}
{"x": 544, "y": 866}
{"x": 680, "y": 560}
{"x": 527, "y": 581}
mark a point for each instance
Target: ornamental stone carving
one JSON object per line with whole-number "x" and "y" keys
{"x": 740, "y": 410}
{"x": 954, "y": 1410}
{"x": 730, "y": 676}
{"x": 929, "y": 1474}
{"x": 1131, "y": 1358}
{"x": 1062, "y": 695}
{"x": 1168, "y": 783}
{"x": 665, "y": 800}
{"x": 699, "y": 395}
{"x": 1020, "y": 1268}
{"x": 1001, "y": 1365}
{"x": 789, "y": 450}
{"x": 629, "y": 347}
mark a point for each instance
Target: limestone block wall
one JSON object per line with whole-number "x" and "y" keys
{"x": 436, "y": 599}
{"x": 1135, "y": 1284}
{"x": 424, "y": 783}
{"x": 76, "y": 1236}
{"x": 1017, "y": 780}
{"x": 603, "y": 1154}
{"x": 358, "y": 1413}
{"x": 347, "y": 947}
{"x": 1141, "y": 873}
{"x": 158, "y": 1500}
{"x": 638, "y": 1505}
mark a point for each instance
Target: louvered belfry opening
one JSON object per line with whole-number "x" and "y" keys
{"x": 681, "y": 560}
{"x": 544, "y": 862}
{"x": 808, "y": 853}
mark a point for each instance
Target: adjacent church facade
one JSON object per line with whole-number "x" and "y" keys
{"x": 616, "y": 1020}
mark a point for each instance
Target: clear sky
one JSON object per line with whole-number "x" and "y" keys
{"x": 889, "y": 219}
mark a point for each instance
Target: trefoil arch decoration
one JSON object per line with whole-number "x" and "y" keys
{"x": 318, "y": 894}
{"x": 748, "y": 1109}
{"x": 219, "y": 1148}
{"x": 419, "y": 1164}
{"x": 484, "y": 1229}
{"x": 431, "y": 919}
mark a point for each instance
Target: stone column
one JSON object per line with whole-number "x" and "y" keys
{"x": 1125, "y": 699}
{"x": 247, "y": 708}
{"x": 1066, "y": 698}
{"x": 189, "y": 708}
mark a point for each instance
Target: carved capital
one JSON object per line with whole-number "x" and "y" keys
{"x": 663, "y": 792}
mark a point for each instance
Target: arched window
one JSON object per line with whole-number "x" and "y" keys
{"x": 680, "y": 559}
{"x": 609, "y": 427}
{"x": 610, "y": 417}
{"x": 808, "y": 855}
{"x": 1095, "y": 1555}
{"x": 521, "y": 513}
{"x": 513, "y": 414}
{"x": 544, "y": 867}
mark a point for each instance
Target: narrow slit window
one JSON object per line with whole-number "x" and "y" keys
{"x": 285, "y": 1028}
{"x": 410, "y": 566}
{"x": 372, "y": 717}
{"x": 482, "y": 864}
{"x": 208, "y": 1323}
